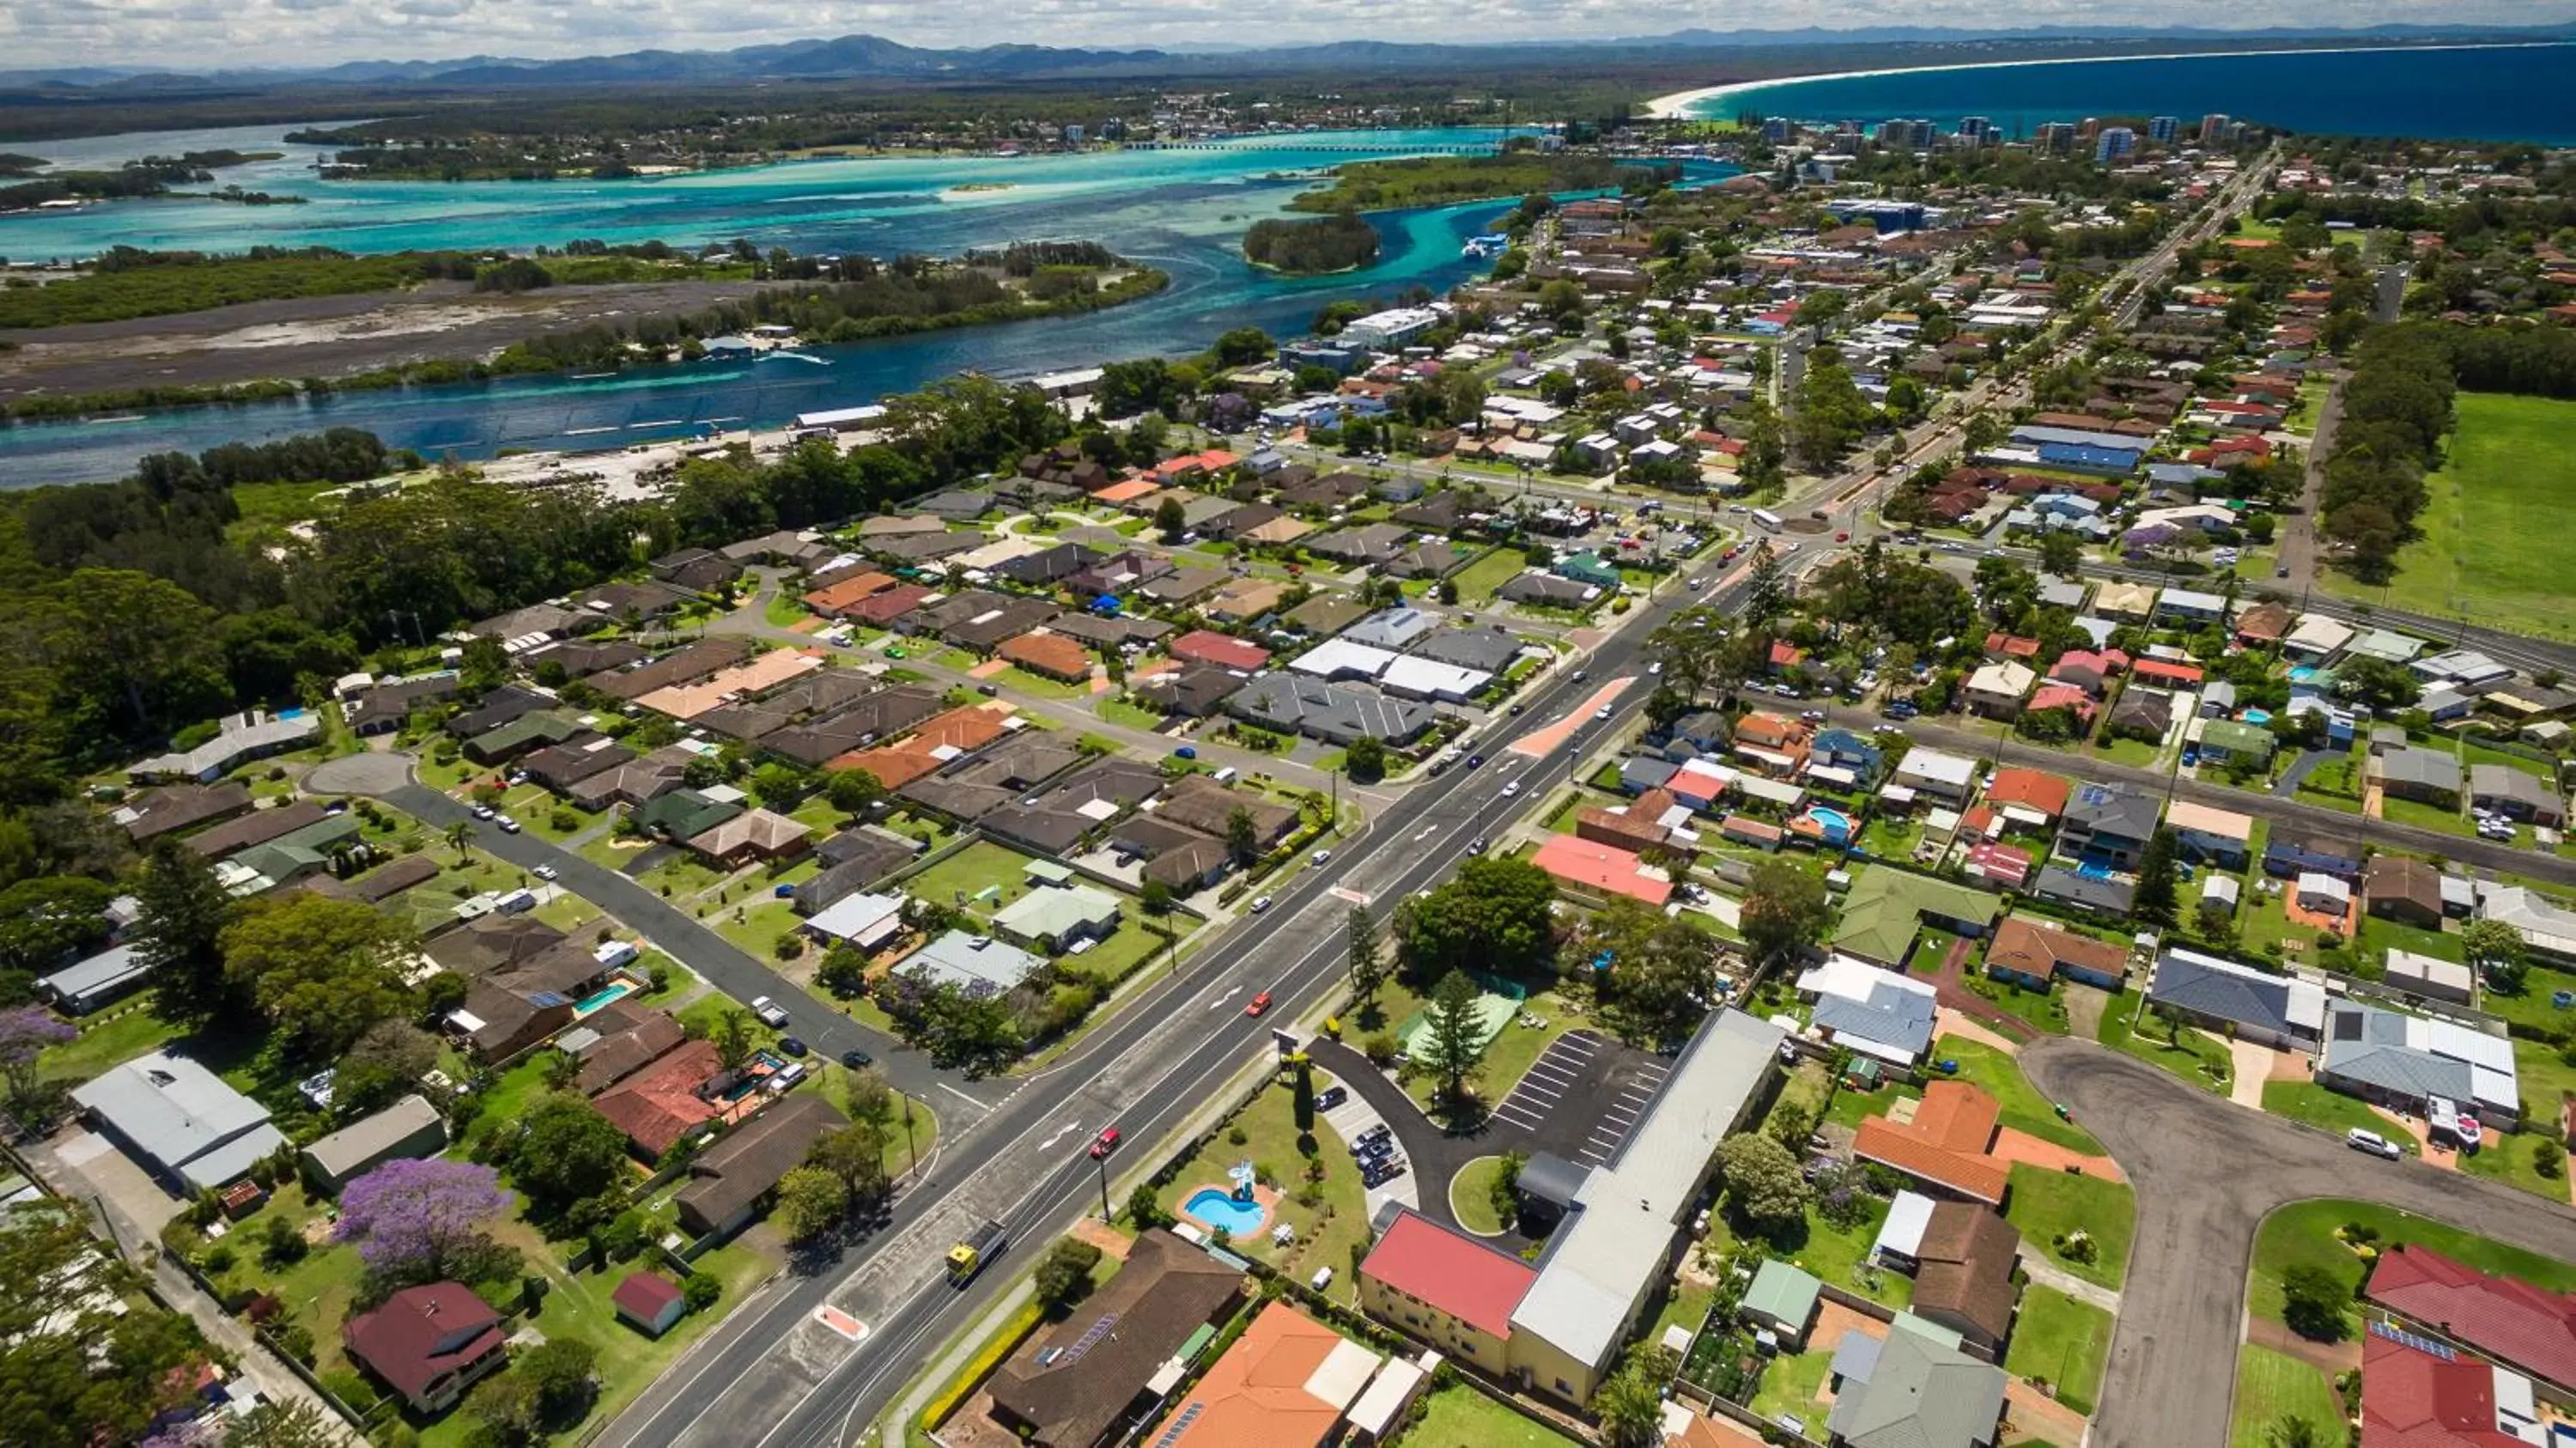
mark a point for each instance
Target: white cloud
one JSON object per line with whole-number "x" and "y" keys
{"x": 310, "y": 32}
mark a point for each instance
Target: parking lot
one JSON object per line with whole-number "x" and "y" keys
{"x": 1582, "y": 1097}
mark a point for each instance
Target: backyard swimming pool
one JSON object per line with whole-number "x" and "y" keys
{"x": 1218, "y": 1207}
{"x": 621, "y": 986}
{"x": 1835, "y": 824}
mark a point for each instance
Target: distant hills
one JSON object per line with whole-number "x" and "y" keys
{"x": 857, "y": 57}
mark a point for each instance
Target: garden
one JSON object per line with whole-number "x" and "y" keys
{"x": 1304, "y": 1180}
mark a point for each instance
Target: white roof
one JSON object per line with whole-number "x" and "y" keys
{"x": 1938, "y": 766}
{"x": 1430, "y": 676}
{"x": 1907, "y": 1217}
{"x": 2225, "y": 824}
{"x": 2191, "y": 598}
{"x": 1336, "y": 657}
{"x": 2318, "y": 634}
{"x": 1600, "y": 1264}
{"x": 1377, "y": 1408}
{"x": 182, "y": 1116}
{"x": 1344, "y": 1371}
{"x": 2430, "y": 969}
{"x": 862, "y": 918}
{"x": 2003, "y": 679}
{"x": 1853, "y": 978}
{"x": 2317, "y": 882}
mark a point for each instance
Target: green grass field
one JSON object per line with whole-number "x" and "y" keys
{"x": 2488, "y": 548}
{"x": 1478, "y": 580}
{"x": 2271, "y": 1386}
{"x": 2305, "y": 1232}
{"x": 2329, "y": 1110}
{"x": 2062, "y": 1341}
{"x": 1461, "y": 1417}
{"x": 2046, "y": 1205}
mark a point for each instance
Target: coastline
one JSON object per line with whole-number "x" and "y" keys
{"x": 1677, "y": 106}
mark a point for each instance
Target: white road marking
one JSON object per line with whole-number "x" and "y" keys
{"x": 962, "y": 1096}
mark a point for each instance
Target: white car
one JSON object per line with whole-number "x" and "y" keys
{"x": 508, "y": 825}
{"x": 483, "y": 811}
{"x": 769, "y": 1012}
{"x": 1601, "y": 713}
{"x": 1319, "y": 857}
{"x": 2372, "y": 1142}
{"x": 1260, "y": 904}
{"x": 543, "y": 872}
{"x": 1511, "y": 789}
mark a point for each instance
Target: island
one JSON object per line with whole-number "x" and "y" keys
{"x": 1340, "y": 242}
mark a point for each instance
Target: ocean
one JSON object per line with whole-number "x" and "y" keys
{"x": 2516, "y": 93}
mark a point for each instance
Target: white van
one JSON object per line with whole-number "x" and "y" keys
{"x": 1227, "y": 775}
{"x": 785, "y": 1077}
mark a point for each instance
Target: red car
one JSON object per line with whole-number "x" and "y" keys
{"x": 1106, "y": 1143}
{"x": 1259, "y": 1004}
{"x": 1843, "y": 536}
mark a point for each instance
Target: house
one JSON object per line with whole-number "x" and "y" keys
{"x": 751, "y": 837}
{"x": 2548, "y": 929}
{"x": 2224, "y": 996}
{"x": 2316, "y": 640}
{"x": 2036, "y": 952}
{"x": 1334, "y": 713}
{"x": 1963, "y": 1273}
{"x": 2431, "y": 978}
{"x": 2404, "y": 889}
{"x": 2417, "y": 1392}
{"x": 429, "y": 1343}
{"x": 96, "y": 980}
{"x": 408, "y": 1129}
{"x": 2028, "y": 797}
{"x": 2189, "y": 606}
{"x": 2097, "y": 894}
{"x": 1072, "y": 1384}
{"x": 2207, "y": 833}
{"x": 729, "y": 1180}
{"x": 648, "y": 1302}
{"x": 2291, "y": 851}
{"x": 1997, "y": 689}
{"x": 1547, "y": 591}
{"x": 2425, "y": 775}
{"x": 1949, "y": 778}
{"x": 239, "y": 738}
{"x": 2107, "y": 825}
{"x": 1055, "y": 917}
{"x": 2516, "y": 795}
{"x": 1592, "y": 871}
{"x": 2262, "y": 625}
{"x": 1782, "y": 1301}
{"x": 1446, "y": 1289}
{"x": 1945, "y": 1144}
{"x": 1875, "y": 1012}
{"x": 174, "y": 808}
{"x": 178, "y": 1121}
{"x": 1889, "y": 906}
{"x": 1774, "y": 743}
{"x": 2506, "y": 1321}
{"x": 1856, "y": 755}
{"x": 1049, "y": 654}
{"x": 2401, "y": 1060}
{"x": 665, "y": 1102}
{"x": 971, "y": 961}
{"x": 1913, "y": 1389}
{"x": 1200, "y": 646}
{"x": 2228, "y": 742}
{"x": 2322, "y": 894}
{"x": 2141, "y": 713}
{"x": 1285, "y": 1383}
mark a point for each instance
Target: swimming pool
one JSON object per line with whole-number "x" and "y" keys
{"x": 1835, "y": 824}
{"x": 618, "y": 987}
{"x": 1218, "y": 1207}
{"x": 2256, "y": 717}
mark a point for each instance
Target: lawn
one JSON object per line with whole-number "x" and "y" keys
{"x": 2424, "y": 816}
{"x": 1518, "y": 1048}
{"x": 2043, "y": 1010}
{"x": 2513, "y": 1161}
{"x": 2329, "y": 1110}
{"x": 2046, "y": 1205}
{"x": 1038, "y": 686}
{"x": 2062, "y": 1342}
{"x": 1328, "y": 1231}
{"x": 757, "y": 923}
{"x": 1789, "y": 1385}
{"x": 1459, "y": 1416}
{"x": 2271, "y": 1386}
{"x": 1831, "y": 1254}
{"x": 2534, "y": 1005}
{"x": 1132, "y": 716}
{"x": 2124, "y": 750}
{"x": 2483, "y": 552}
{"x": 2024, "y": 1108}
{"x": 128, "y": 1030}
{"x": 2305, "y": 1232}
{"x": 962, "y": 878}
{"x": 2195, "y": 1057}
{"x": 784, "y": 610}
{"x": 1478, "y": 580}
{"x": 1471, "y": 1195}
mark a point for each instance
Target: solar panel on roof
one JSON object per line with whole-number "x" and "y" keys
{"x": 1180, "y": 1425}
{"x": 2417, "y": 1341}
{"x": 1091, "y": 1338}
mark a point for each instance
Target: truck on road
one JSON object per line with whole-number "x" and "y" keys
{"x": 974, "y": 1250}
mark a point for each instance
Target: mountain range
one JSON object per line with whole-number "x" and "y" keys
{"x": 852, "y": 57}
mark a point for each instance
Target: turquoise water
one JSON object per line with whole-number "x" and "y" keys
{"x": 1183, "y": 211}
{"x": 602, "y": 996}
{"x": 2496, "y": 94}
{"x": 1836, "y": 824}
{"x": 1218, "y": 1208}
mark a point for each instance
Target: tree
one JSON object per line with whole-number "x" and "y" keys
{"x": 1694, "y": 648}
{"x": 1171, "y": 520}
{"x": 1368, "y": 955}
{"x": 811, "y": 1202}
{"x": 2312, "y": 1302}
{"x": 25, "y": 1032}
{"x": 1763, "y": 1181}
{"x": 1452, "y": 1037}
{"x": 1242, "y": 836}
{"x": 2376, "y": 684}
{"x": 182, "y": 915}
{"x": 732, "y": 1037}
{"x": 2495, "y": 950}
{"x": 1365, "y": 759}
{"x": 1631, "y": 1401}
{"x": 564, "y": 1152}
{"x": 2061, "y": 553}
{"x": 843, "y": 972}
{"x": 2156, "y": 900}
{"x": 322, "y": 970}
{"x": 421, "y": 1220}
{"x": 1063, "y": 1275}
{"x": 388, "y": 1059}
{"x": 2292, "y": 1431}
{"x": 851, "y": 791}
{"x": 1766, "y": 592}
{"x": 506, "y": 1407}
{"x": 85, "y": 1357}
{"x": 1785, "y": 911}
{"x": 701, "y": 1291}
{"x": 292, "y": 1424}
{"x": 460, "y": 838}
{"x": 1301, "y": 1107}
{"x": 855, "y": 1155}
{"x": 562, "y": 1371}
{"x": 1144, "y": 1210}
{"x": 1495, "y": 915}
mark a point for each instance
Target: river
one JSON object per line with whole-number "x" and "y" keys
{"x": 1182, "y": 210}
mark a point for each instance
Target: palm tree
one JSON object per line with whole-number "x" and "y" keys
{"x": 460, "y": 838}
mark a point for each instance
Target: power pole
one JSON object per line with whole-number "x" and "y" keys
{"x": 1103, "y": 1159}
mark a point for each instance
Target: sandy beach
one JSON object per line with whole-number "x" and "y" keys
{"x": 1678, "y": 105}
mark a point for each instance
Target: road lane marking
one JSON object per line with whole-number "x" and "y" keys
{"x": 962, "y": 1096}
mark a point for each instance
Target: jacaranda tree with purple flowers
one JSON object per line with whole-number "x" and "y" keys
{"x": 423, "y": 1221}
{"x": 25, "y": 1032}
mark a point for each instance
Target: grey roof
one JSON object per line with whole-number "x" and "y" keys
{"x": 1390, "y": 628}
{"x": 1332, "y": 712}
{"x": 108, "y": 970}
{"x": 1550, "y": 1178}
{"x": 182, "y": 1116}
{"x": 2060, "y": 883}
{"x": 1892, "y": 1016}
{"x": 362, "y": 1140}
{"x": 2209, "y": 986}
{"x": 2503, "y": 781}
{"x": 2415, "y": 1056}
{"x": 2113, "y": 809}
{"x": 2429, "y": 768}
{"x": 1469, "y": 648}
{"x": 960, "y": 959}
{"x": 1920, "y": 1393}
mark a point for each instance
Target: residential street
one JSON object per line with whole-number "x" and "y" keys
{"x": 2207, "y": 1172}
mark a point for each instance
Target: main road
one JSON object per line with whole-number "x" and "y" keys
{"x": 776, "y": 1375}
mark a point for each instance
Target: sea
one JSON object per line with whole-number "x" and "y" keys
{"x": 2481, "y": 93}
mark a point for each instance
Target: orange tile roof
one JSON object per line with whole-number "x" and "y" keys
{"x": 1128, "y": 491}
{"x": 659, "y": 1104}
{"x": 1255, "y": 1396}
{"x": 2046, "y": 793}
{"x": 1602, "y": 867}
{"x": 1944, "y": 1144}
{"x": 848, "y": 591}
{"x": 893, "y": 768}
{"x": 1050, "y": 654}
{"x": 688, "y": 701}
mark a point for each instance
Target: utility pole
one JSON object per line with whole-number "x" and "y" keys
{"x": 1102, "y": 1157}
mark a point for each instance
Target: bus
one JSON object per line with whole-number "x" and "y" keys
{"x": 1768, "y": 522}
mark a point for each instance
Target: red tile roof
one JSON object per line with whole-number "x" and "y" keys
{"x": 2031, "y": 789}
{"x": 2411, "y": 1398}
{"x": 644, "y": 1295}
{"x": 1612, "y": 871}
{"x": 1944, "y": 1144}
{"x": 2168, "y": 670}
{"x": 1209, "y": 647}
{"x": 658, "y": 1105}
{"x": 2513, "y": 1322}
{"x": 422, "y": 1333}
{"x": 1454, "y": 1273}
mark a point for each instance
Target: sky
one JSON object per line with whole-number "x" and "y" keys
{"x": 202, "y": 34}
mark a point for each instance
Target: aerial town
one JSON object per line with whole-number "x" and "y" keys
{"x": 1891, "y": 799}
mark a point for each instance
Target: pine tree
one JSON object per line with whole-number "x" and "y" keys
{"x": 1451, "y": 1038}
{"x": 1368, "y": 955}
{"x": 183, "y": 912}
{"x": 2155, "y": 901}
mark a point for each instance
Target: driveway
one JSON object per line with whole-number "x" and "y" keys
{"x": 2207, "y": 1174}
{"x": 1431, "y": 1156}
{"x": 1356, "y": 1116}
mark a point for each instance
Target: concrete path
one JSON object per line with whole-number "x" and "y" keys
{"x": 2254, "y": 1065}
{"x": 1356, "y": 1116}
{"x": 2020, "y": 1147}
{"x": 1951, "y": 1022}
{"x": 2035, "y": 1263}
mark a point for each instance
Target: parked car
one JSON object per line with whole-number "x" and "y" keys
{"x": 1331, "y": 1096}
{"x": 483, "y": 811}
{"x": 769, "y": 1012}
{"x": 792, "y": 1045}
{"x": 508, "y": 825}
{"x": 856, "y": 1059}
{"x": 2372, "y": 1142}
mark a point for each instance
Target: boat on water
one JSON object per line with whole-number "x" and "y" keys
{"x": 784, "y": 356}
